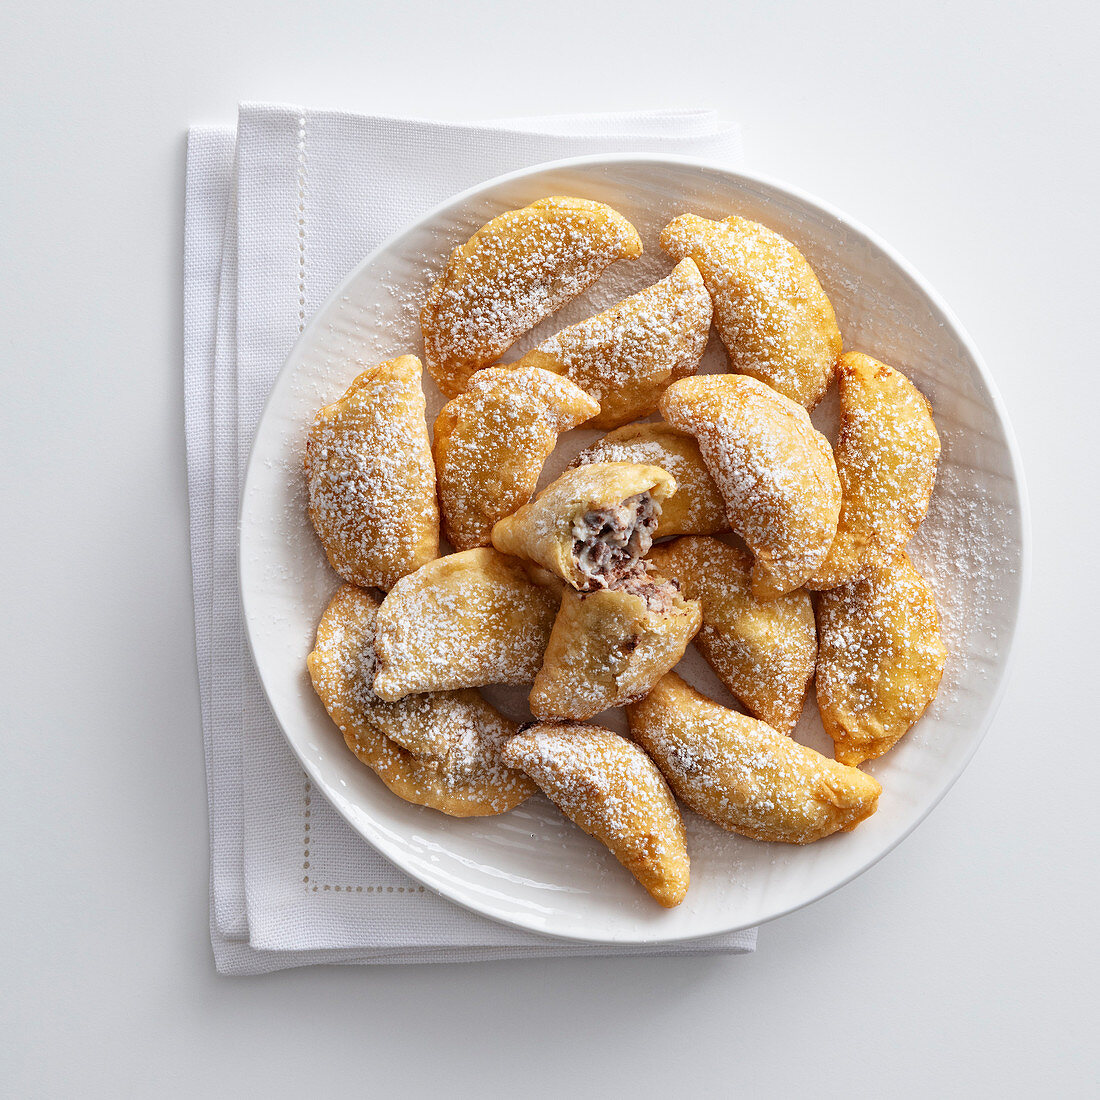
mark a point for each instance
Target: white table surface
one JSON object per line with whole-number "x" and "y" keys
{"x": 964, "y": 963}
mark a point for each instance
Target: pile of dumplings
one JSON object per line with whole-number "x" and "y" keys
{"x": 730, "y": 521}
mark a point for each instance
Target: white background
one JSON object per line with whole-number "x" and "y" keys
{"x": 964, "y": 963}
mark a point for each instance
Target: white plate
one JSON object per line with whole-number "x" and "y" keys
{"x": 531, "y": 867}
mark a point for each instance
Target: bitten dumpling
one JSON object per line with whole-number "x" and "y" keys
{"x": 456, "y": 738}
{"x": 696, "y": 508}
{"x": 880, "y": 659}
{"x": 510, "y": 275}
{"x": 612, "y": 790}
{"x": 764, "y": 651}
{"x": 371, "y": 479}
{"x": 491, "y": 442}
{"x": 611, "y": 646}
{"x": 886, "y": 457}
{"x": 627, "y": 355}
{"x": 775, "y": 320}
{"x": 465, "y": 620}
{"x": 590, "y": 526}
{"x": 774, "y": 471}
{"x": 742, "y": 774}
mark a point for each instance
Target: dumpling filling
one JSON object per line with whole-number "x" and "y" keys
{"x": 657, "y": 592}
{"x": 608, "y": 542}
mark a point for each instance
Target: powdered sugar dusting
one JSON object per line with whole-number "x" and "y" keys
{"x": 967, "y": 546}
{"x": 609, "y": 647}
{"x": 371, "y": 479}
{"x": 515, "y": 271}
{"x": 626, "y": 356}
{"x": 776, "y": 474}
{"x": 491, "y": 443}
{"x": 959, "y": 549}
{"x": 611, "y": 789}
{"x": 464, "y": 620}
{"x": 880, "y": 659}
{"x": 764, "y": 651}
{"x": 696, "y": 507}
{"x": 742, "y": 774}
{"x": 886, "y": 457}
{"x": 441, "y": 750}
{"x": 774, "y": 318}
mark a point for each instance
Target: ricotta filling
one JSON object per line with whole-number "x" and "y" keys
{"x": 609, "y": 543}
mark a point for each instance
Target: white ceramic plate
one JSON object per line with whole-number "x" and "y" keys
{"x": 531, "y": 867}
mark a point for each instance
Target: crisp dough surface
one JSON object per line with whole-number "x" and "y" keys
{"x": 769, "y": 308}
{"x": 774, "y": 471}
{"x": 510, "y": 275}
{"x": 627, "y": 355}
{"x": 764, "y": 651}
{"x": 886, "y": 456}
{"x": 742, "y": 774}
{"x": 608, "y": 648}
{"x": 455, "y": 738}
{"x": 465, "y": 620}
{"x": 370, "y": 477}
{"x": 613, "y": 791}
{"x": 697, "y": 507}
{"x": 491, "y": 442}
{"x": 542, "y": 531}
{"x": 880, "y": 661}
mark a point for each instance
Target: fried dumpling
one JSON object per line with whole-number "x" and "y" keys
{"x": 456, "y": 738}
{"x": 886, "y": 457}
{"x": 742, "y": 774}
{"x": 880, "y": 659}
{"x": 769, "y": 308}
{"x": 474, "y": 618}
{"x": 609, "y": 788}
{"x": 590, "y": 526}
{"x": 510, "y": 275}
{"x": 696, "y": 508}
{"x": 774, "y": 471}
{"x": 371, "y": 479}
{"x": 764, "y": 651}
{"x": 611, "y": 646}
{"x": 491, "y": 442}
{"x": 627, "y": 355}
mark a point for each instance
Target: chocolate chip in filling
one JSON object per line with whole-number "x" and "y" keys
{"x": 608, "y": 542}
{"x": 657, "y": 592}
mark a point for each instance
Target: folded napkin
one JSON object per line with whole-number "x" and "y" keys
{"x": 278, "y": 212}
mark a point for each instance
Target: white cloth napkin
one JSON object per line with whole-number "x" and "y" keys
{"x": 278, "y": 212}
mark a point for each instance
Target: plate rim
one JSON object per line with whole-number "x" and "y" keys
{"x": 1010, "y": 648}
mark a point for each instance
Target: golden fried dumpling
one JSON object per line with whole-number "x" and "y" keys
{"x": 474, "y": 618}
{"x": 764, "y": 651}
{"x": 371, "y": 479}
{"x": 611, "y": 646}
{"x": 886, "y": 457}
{"x": 880, "y": 659}
{"x": 696, "y": 508}
{"x": 774, "y": 471}
{"x": 456, "y": 737}
{"x": 510, "y": 275}
{"x": 491, "y": 442}
{"x": 769, "y": 308}
{"x": 612, "y": 790}
{"x": 742, "y": 774}
{"x": 591, "y": 525}
{"x": 627, "y": 355}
